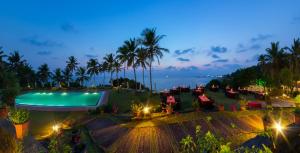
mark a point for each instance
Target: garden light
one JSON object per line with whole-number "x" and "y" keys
{"x": 146, "y": 110}
{"x": 279, "y": 128}
{"x": 55, "y": 128}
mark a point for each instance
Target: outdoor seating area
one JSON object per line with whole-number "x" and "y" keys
{"x": 205, "y": 101}
{"x": 230, "y": 93}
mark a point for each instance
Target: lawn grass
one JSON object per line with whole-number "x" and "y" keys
{"x": 41, "y": 122}
{"x": 124, "y": 98}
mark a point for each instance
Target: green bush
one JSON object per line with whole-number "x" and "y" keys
{"x": 297, "y": 98}
{"x": 297, "y": 111}
{"x": 19, "y": 116}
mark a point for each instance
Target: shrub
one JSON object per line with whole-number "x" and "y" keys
{"x": 297, "y": 98}
{"x": 136, "y": 108}
{"x": 297, "y": 111}
{"x": 19, "y": 116}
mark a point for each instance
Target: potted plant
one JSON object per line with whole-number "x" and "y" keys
{"x": 136, "y": 110}
{"x": 297, "y": 116}
{"x": 3, "y": 110}
{"x": 221, "y": 107}
{"x": 169, "y": 109}
{"x": 20, "y": 118}
{"x": 243, "y": 104}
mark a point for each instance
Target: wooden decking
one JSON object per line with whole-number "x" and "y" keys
{"x": 164, "y": 134}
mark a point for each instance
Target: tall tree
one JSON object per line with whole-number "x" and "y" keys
{"x": 110, "y": 59}
{"x": 93, "y": 69}
{"x": 15, "y": 61}
{"x": 117, "y": 68}
{"x": 295, "y": 58}
{"x": 57, "y": 77}
{"x": 142, "y": 61}
{"x": 275, "y": 56}
{"x": 104, "y": 68}
{"x": 131, "y": 46}
{"x": 72, "y": 63}
{"x": 150, "y": 39}
{"x": 44, "y": 74}
{"x": 81, "y": 75}
{"x": 67, "y": 75}
{"x": 2, "y": 56}
{"x": 122, "y": 56}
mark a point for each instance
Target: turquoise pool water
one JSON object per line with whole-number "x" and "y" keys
{"x": 68, "y": 99}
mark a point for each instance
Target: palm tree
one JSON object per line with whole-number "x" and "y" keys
{"x": 15, "y": 60}
{"x": 93, "y": 69}
{"x": 122, "y": 55}
{"x": 142, "y": 61}
{"x": 67, "y": 75}
{"x": 2, "y": 55}
{"x": 275, "y": 56}
{"x": 81, "y": 75}
{"x": 103, "y": 68}
{"x": 295, "y": 57}
{"x": 72, "y": 64}
{"x": 117, "y": 68}
{"x": 44, "y": 74}
{"x": 110, "y": 59}
{"x": 57, "y": 77}
{"x": 151, "y": 40}
{"x": 130, "y": 47}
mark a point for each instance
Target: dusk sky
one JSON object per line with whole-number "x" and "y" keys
{"x": 210, "y": 35}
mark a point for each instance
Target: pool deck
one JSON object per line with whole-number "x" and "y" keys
{"x": 103, "y": 100}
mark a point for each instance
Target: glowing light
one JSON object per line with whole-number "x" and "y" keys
{"x": 56, "y": 127}
{"x": 279, "y": 128}
{"x": 44, "y": 93}
{"x": 50, "y": 93}
{"x": 86, "y": 93}
{"x": 95, "y": 93}
{"x": 64, "y": 93}
{"x": 146, "y": 110}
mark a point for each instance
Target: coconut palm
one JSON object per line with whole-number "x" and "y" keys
{"x": 93, "y": 69}
{"x": 110, "y": 59}
{"x": 67, "y": 75}
{"x": 117, "y": 68}
{"x": 130, "y": 47}
{"x": 142, "y": 61}
{"x": 43, "y": 74}
{"x": 122, "y": 56}
{"x": 295, "y": 57}
{"x": 15, "y": 61}
{"x": 72, "y": 63}
{"x": 81, "y": 75}
{"x": 103, "y": 68}
{"x": 2, "y": 55}
{"x": 275, "y": 56}
{"x": 151, "y": 40}
{"x": 57, "y": 77}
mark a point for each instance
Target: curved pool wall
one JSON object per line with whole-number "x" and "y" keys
{"x": 60, "y": 101}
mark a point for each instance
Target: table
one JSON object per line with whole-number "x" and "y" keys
{"x": 171, "y": 100}
{"x": 254, "y": 104}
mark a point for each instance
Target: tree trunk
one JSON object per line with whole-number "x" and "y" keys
{"x": 94, "y": 81}
{"x": 150, "y": 69}
{"x": 124, "y": 70}
{"x": 103, "y": 78}
{"x": 135, "y": 78}
{"x": 111, "y": 81}
{"x": 143, "y": 77}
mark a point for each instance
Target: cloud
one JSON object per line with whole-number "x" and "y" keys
{"x": 206, "y": 65}
{"x": 253, "y": 59}
{"x": 296, "y": 20}
{"x": 188, "y": 68}
{"x": 35, "y": 41}
{"x": 243, "y": 48}
{"x": 218, "y": 49}
{"x": 183, "y": 59}
{"x": 91, "y": 56}
{"x": 183, "y": 52}
{"x": 68, "y": 28}
{"x": 44, "y": 53}
{"x": 215, "y": 56}
{"x": 220, "y": 61}
{"x": 171, "y": 68}
{"x": 260, "y": 37}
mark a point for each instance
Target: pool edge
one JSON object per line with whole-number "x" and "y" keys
{"x": 66, "y": 108}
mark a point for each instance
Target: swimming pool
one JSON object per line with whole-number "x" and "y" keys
{"x": 60, "y": 100}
